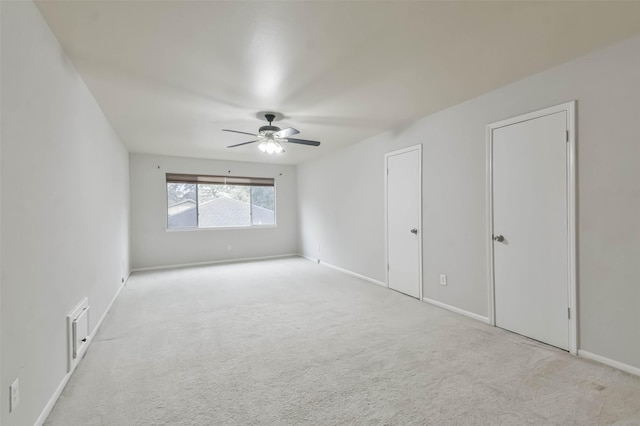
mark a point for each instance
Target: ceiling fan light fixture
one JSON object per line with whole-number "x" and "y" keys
{"x": 271, "y": 137}
{"x": 270, "y": 146}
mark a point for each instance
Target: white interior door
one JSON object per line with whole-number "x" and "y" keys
{"x": 404, "y": 237}
{"x": 530, "y": 228}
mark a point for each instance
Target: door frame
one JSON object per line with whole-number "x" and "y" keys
{"x": 386, "y": 210}
{"x": 569, "y": 108}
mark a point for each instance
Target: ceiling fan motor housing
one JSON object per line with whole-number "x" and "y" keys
{"x": 268, "y": 129}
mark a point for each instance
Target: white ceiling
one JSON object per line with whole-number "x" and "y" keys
{"x": 171, "y": 74}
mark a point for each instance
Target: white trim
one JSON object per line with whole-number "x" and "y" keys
{"x": 572, "y": 227}
{"x": 52, "y": 402}
{"x": 404, "y": 150}
{"x": 221, "y": 228}
{"x": 489, "y": 235}
{"x": 345, "y": 271}
{"x": 386, "y": 221}
{"x": 611, "y": 363}
{"x": 476, "y": 317}
{"x": 211, "y": 262}
{"x": 386, "y": 215}
{"x": 569, "y": 109}
{"x": 54, "y": 398}
{"x": 353, "y": 274}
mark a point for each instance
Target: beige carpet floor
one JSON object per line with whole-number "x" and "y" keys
{"x": 290, "y": 342}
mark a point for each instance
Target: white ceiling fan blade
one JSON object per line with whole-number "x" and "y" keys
{"x": 285, "y": 133}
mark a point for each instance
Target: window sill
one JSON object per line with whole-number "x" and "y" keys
{"x": 222, "y": 228}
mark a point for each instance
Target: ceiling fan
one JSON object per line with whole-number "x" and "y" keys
{"x": 271, "y": 137}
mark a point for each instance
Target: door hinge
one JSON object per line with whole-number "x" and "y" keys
{"x": 387, "y": 171}
{"x": 569, "y": 313}
{"x": 566, "y": 139}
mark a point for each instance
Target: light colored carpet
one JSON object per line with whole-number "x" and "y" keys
{"x": 290, "y": 342}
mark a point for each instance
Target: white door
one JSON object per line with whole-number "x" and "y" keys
{"x": 530, "y": 228}
{"x": 404, "y": 237}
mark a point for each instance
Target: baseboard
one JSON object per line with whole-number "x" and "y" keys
{"x": 54, "y": 398}
{"x": 380, "y": 283}
{"x": 611, "y": 363}
{"x": 456, "y": 310}
{"x": 212, "y": 262}
{"x": 346, "y": 271}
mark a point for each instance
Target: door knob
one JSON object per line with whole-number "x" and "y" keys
{"x": 498, "y": 238}
{"x": 414, "y": 231}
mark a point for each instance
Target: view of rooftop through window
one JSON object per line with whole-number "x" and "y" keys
{"x": 204, "y": 205}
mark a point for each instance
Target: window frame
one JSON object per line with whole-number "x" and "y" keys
{"x": 201, "y": 179}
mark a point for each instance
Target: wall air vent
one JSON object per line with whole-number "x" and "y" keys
{"x": 77, "y": 333}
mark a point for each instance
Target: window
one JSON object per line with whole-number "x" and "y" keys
{"x": 196, "y": 201}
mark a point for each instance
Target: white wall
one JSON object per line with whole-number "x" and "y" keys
{"x": 64, "y": 212}
{"x": 153, "y": 246}
{"x": 341, "y": 196}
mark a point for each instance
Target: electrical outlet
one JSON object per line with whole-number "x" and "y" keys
{"x": 14, "y": 395}
{"x": 443, "y": 279}
{"x": 228, "y": 247}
